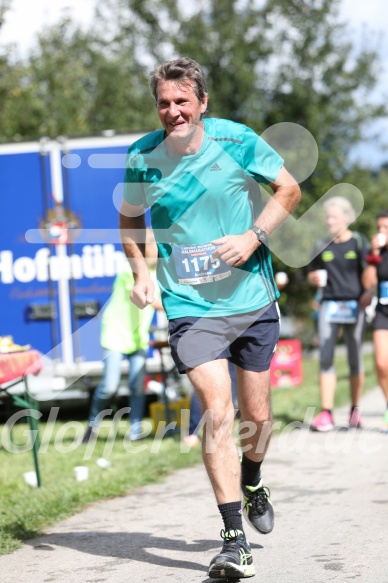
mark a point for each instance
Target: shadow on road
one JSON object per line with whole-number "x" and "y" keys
{"x": 134, "y": 546}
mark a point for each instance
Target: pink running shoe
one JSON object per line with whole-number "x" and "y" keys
{"x": 355, "y": 419}
{"x": 322, "y": 422}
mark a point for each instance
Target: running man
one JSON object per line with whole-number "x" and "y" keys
{"x": 200, "y": 178}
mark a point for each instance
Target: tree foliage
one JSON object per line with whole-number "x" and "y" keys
{"x": 73, "y": 85}
{"x": 266, "y": 62}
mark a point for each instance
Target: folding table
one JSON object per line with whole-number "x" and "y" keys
{"x": 14, "y": 368}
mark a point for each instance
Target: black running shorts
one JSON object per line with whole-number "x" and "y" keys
{"x": 380, "y": 321}
{"x": 248, "y": 340}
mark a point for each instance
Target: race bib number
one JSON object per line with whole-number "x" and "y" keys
{"x": 383, "y": 293}
{"x": 339, "y": 312}
{"x": 195, "y": 265}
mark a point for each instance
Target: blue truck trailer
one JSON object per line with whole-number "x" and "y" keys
{"x": 59, "y": 253}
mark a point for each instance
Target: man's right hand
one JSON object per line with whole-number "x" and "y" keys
{"x": 143, "y": 293}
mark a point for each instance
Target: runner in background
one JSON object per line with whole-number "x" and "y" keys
{"x": 337, "y": 272}
{"x": 376, "y": 274}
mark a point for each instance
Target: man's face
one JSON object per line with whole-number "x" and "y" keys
{"x": 179, "y": 109}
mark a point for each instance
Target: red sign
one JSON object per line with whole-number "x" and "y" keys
{"x": 286, "y": 365}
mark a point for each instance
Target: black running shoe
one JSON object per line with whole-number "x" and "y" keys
{"x": 257, "y": 507}
{"x": 235, "y": 558}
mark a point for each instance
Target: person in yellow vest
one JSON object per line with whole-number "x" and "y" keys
{"x": 124, "y": 334}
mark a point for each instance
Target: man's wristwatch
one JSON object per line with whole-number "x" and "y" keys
{"x": 261, "y": 235}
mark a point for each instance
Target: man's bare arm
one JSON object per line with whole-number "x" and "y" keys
{"x": 236, "y": 249}
{"x": 133, "y": 238}
{"x": 287, "y": 196}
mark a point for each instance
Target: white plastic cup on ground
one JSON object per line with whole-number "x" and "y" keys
{"x": 31, "y": 479}
{"x": 81, "y": 473}
{"x": 322, "y": 277}
{"x": 103, "y": 463}
{"x": 281, "y": 278}
{"x": 382, "y": 239}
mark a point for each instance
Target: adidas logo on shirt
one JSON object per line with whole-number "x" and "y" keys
{"x": 215, "y": 167}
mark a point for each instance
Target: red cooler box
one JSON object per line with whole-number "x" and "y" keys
{"x": 286, "y": 365}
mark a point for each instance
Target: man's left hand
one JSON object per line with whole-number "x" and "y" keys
{"x": 235, "y": 250}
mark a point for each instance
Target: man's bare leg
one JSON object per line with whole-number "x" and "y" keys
{"x": 254, "y": 395}
{"x": 212, "y": 384}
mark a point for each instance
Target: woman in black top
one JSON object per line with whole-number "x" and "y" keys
{"x": 376, "y": 273}
{"x": 343, "y": 303}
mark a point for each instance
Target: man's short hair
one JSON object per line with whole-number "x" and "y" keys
{"x": 184, "y": 71}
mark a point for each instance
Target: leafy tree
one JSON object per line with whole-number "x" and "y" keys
{"x": 88, "y": 88}
{"x": 74, "y": 84}
{"x": 279, "y": 61}
{"x": 320, "y": 84}
{"x": 224, "y": 36}
{"x": 374, "y": 186}
{"x": 266, "y": 62}
{"x": 285, "y": 61}
{"x": 11, "y": 76}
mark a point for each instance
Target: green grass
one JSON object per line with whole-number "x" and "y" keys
{"x": 290, "y": 404}
{"x": 26, "y": 511}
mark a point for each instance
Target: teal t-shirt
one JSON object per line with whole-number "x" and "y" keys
{"x": 195, "y": 199}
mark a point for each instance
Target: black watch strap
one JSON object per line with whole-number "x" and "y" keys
{"x": 260, "y": 234}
